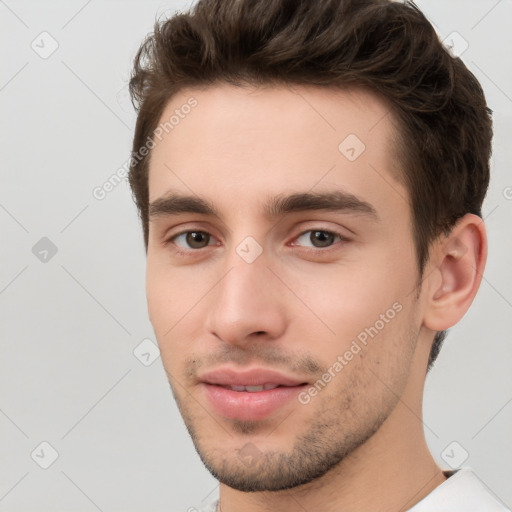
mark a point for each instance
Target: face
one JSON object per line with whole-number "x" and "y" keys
{"x": 281, "y": 290}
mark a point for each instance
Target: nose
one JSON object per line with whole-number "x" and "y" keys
{"x": 248, "y": 304}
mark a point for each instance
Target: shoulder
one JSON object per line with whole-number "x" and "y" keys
{"x": 462, "y": 491}
{"x": 209, "y": 507}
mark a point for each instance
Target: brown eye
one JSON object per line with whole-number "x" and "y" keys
{"x": 193, "y": 239}
{"x": 323, "y": 238}
{"x": 319, "y": 238}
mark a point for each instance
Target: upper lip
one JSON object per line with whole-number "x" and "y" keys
{"x": 251, "y": 377}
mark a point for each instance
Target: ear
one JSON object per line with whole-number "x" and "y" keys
{"x": 458, "y": 262}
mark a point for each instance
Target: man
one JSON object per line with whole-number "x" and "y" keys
{"x": 309, "y": 177}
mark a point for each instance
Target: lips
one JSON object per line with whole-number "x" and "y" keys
{"x": 249, "y": 395}
{"x": 251, "y": 377}
{"x": 253, "y": 389}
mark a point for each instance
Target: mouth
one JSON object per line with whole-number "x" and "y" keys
{"x": 254, "y": 389}
{"x": 250, "y": 395}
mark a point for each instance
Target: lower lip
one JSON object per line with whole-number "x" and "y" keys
{"x": 247, "y": 406}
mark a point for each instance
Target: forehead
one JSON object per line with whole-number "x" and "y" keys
{"x": 244, "y": 142}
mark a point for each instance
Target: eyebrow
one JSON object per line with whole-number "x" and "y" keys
{"x": 175, "y": 203}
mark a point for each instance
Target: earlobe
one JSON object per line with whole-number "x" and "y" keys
{"x": 459, "y": 260}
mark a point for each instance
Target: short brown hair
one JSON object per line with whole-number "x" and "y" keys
{"x": 391, "y": 48}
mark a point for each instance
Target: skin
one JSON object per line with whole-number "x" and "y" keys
{"x": 359, "y": 443}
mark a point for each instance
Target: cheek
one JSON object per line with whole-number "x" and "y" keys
{"x": 346, "y": 299}
{"x": 374, "y": 359}
{"x": 171, "y": 292}
{"x": 157, "y": 294}
{"x": 167, "y": 301}
{"x": 175, "y": 298}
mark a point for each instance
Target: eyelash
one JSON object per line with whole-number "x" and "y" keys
{"x": 318, "y": 250}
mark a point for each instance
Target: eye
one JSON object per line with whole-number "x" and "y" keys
{"x": 320, "y": 238}
{"x": 192, "y": 239}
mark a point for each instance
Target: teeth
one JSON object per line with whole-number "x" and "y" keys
{"x": 254, "y": 389}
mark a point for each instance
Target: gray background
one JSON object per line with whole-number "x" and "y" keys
{"x": 70, "y": 323}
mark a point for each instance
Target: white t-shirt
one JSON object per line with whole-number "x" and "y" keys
{"x": 462, "y": 491}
